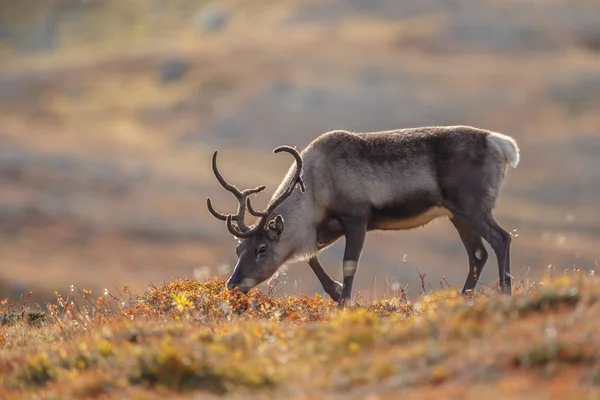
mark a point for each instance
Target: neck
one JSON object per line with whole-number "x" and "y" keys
{"x": 298, "y": 240}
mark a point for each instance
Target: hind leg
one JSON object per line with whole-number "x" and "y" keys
{"x": 471, "y": 196}
{"x": 500, "y": 241}
{"x": 476, "y": 252}
{"x": 485, "y": 226}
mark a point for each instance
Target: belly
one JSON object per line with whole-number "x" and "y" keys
{"x": 392, "y": 223}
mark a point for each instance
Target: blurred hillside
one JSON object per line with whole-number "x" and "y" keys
{"x": 110, "y": 110}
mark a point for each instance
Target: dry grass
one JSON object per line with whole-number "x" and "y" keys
{"x": 190, "y": 337}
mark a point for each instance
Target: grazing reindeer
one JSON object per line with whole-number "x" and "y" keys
{"x": 352, "y": 183}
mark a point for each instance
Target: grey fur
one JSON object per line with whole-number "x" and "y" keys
{"x": 391, "y": 180}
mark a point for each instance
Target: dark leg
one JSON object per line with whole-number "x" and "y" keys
{"x": 332, "y": 287}
{"x": 355, "y": 230}
{"x": 328, "y": 232}
{"x": 499, "y": 239}
{"x": 475, "y": 250}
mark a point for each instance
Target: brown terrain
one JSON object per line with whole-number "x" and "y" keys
{"x": 110, "y": 110}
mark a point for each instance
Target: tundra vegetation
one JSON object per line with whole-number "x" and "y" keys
{"x": 188, "y": 338}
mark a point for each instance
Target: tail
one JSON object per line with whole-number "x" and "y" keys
{"x": 507, "y": 146}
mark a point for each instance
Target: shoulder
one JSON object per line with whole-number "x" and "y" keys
{"x": 332, "y": 141}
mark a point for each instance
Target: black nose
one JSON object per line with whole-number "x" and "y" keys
{"x": 240, "y": 287}
{"x": 232, "y": 285}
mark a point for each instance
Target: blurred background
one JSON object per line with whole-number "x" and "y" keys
{"x": 111, "y": 109}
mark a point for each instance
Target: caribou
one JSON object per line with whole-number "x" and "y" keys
{"x": 352, "y": 183}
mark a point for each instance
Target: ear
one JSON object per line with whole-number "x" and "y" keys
{"x": 275, "y": 228}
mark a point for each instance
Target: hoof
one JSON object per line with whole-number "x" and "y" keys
{"x": 343, "y": 303}
{"x": 335, "y": 292}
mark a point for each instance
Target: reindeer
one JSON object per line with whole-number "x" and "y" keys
{"x": 353, "y": 183}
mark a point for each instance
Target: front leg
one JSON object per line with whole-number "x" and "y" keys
{"x": 355, "y": 230}
{"x": 328, "y": 232}
{"x": 332, "y": 287}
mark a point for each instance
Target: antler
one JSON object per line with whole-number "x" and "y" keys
{"x": 242, "y": 231}
{"x": 241, "y": 196}
{"x": 296, "y": 180}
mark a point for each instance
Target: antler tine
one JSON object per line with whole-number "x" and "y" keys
{"x": 252, "y": 211}
{"x": 294, "y": 181}
{"x": 299, "y": 165}
{"x": 226, "y": 185}
{"x": 236, "y": 232}
{"x": 214, "y": 212}
{"x": 249, "y": 192}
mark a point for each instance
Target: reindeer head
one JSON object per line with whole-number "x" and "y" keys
{"x": 257, "y": 256}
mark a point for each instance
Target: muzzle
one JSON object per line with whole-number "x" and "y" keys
{"x": 236, "y": 282}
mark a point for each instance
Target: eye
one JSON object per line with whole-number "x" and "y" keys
{"x": 261, "y": 250}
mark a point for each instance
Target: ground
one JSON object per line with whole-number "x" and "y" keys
{"x": 189, "y": 338}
